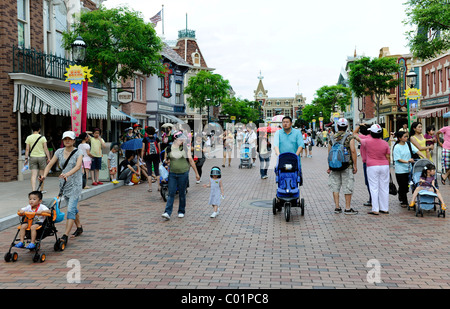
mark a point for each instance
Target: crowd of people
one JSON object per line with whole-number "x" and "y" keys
{"x": 168, "y": 156}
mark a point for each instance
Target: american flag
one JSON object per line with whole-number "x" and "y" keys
{"x": 156, "y": 18}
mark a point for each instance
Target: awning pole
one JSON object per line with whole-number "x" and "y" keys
{"x": 19, "y": 142}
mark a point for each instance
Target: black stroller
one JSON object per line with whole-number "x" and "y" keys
{"x": 48, "y": 228}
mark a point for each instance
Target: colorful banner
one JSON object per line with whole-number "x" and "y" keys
{"x": 76, "y": 107}
{"x": 78, "y": 77}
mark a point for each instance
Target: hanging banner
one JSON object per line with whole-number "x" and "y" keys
{"x": 412, "y": 97}
{"x": 78, "y": 77}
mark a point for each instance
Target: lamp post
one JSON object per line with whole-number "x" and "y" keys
{"x": 79, "y": 50}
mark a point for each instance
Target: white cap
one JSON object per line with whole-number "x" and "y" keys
{"x": 376, "y": 128}
{"x": 69, "y": 134}
{"x": 342, "y": 122}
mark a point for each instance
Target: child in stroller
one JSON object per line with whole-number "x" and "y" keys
{"x": 288, "y": 177}
{"x": 245, "y": 157}
{"x": 426, "y": 189}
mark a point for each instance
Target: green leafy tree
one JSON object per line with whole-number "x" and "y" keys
{"x": 206, "y": 89}
{"x": 328, "y": 98}
{"x": 119, "y": 43}
{"x": 431, "y": 22}
{"x": 374, "y": 78}
{"x": 244, "y": 110}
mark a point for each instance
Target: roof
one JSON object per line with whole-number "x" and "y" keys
{"x": 170, "y": 54}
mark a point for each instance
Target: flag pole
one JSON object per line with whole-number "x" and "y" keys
{"x": 162, "y": 19}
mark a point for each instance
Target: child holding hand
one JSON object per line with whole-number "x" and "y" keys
{"x": 34, "y": 200}
{"x": 217, "y": 193}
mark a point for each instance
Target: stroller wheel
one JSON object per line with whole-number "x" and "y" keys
{"x": 43, "y": 258}
{"x": 274, "y": 206}
{"x": 36, "y": 257}
{"x": 302, "y": 206}
{"x": 15, "y": 256}
{"x": 287, "y": 211}
{"x": 7, "y": 256}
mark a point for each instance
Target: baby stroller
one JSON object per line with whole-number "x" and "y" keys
{"x": 289, "y": 178}
{"x": 426, "y": 200}
{"x": 245, "y": 156}
{"x": 48, "y": 228}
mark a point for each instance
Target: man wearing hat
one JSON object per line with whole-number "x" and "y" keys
{"x": 343, "y": 178}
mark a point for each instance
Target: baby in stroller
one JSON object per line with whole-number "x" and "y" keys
{"x": 426, "y": 184}
{"x": 35, "y": 200}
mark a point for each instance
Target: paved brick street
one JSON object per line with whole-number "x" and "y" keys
{"x": 126, "y": 243}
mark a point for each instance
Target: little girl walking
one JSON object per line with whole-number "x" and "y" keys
{"x": 427, "y": 182}
{"x": 216, "y": 190}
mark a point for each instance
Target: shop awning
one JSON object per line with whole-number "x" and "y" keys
{"x": 130, "y": 118}
{"x": 170, "y": 118}
{"x": 433, "y": 112}
{"x": 38, "y": 100}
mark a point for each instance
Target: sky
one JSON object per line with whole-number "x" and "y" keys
{"x": 297, "y": 45}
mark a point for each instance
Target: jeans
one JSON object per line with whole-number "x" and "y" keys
{"x": 264, "y": 165}
{"x": 126, "y": 175}
{"x": 177, "y": 182}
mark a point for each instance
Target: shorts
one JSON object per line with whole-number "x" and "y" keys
{"x": 96, "y": 163}
{"x": 37, "y": 163}
{"x": 113, "y": 171}
{"x": 342, "y": 179}
{"x": 445, "y": 159}
{"x": 72, "y": 207}
{"x": 87, "y": 164}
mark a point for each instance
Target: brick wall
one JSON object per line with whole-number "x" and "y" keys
{"x": 8, "y": 119}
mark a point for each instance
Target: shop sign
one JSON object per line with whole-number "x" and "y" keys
{"x": 166, "y": 88}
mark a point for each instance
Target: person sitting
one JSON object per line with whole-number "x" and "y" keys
{"x": 127, "y": 168}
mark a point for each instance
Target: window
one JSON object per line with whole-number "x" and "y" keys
{"x": 269, "y": 113}
{"x": 141, "y": 90}
{"x": 60, "y": 26}
{"x": 440, "y": 81}
{"x": 178, "y": 93}
{"x": 196, "y": 59}
{"x": 22, "y": 23}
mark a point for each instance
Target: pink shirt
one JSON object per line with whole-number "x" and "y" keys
{"x": 446, "y": 132}
{"x": 362, "y": 149}
{"x": 376, "y": 150}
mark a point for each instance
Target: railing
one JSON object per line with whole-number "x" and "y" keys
{"x": 186, "y": 33}
{"x": 33, "y": 62}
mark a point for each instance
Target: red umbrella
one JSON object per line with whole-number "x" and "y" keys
{"x": 268, "y": 129}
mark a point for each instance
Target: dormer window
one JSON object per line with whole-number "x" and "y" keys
{"x": 196, "y": 59}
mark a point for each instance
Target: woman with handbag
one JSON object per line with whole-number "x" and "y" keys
{"x": 403, "y": 152}
{"x": 377, "y": 159}
{"x": 70, "y": 158}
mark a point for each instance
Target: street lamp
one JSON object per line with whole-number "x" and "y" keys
{"x": 78, "y": 50}
{"x": 411, "y": 78}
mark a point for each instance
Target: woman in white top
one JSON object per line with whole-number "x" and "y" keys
{"x": 86, "y": 151}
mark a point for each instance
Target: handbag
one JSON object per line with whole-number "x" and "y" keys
{"x": 392, "y": 187}
{"x": 59, "y": 213}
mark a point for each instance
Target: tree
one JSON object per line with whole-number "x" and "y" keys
{"x": 244, "y": 110}
{"x": 374, "y": 78}
{"x": 206, "y": 89}
{"x": 119, "y": 43}
{"x": 327, "y": 98}
{"x": 431, "y": 20}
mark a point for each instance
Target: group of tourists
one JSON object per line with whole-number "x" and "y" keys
{"x": 407, "y": 146}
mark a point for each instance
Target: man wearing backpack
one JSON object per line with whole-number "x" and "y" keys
{"x": 151, "y": 150}
{"x": 342, "y": 166}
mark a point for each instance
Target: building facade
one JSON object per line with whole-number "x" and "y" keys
{"x": 273, "y": 106}
{"x": 32, "y": 81}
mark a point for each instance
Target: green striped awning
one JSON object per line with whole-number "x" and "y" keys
{"x": 38, "y": 100}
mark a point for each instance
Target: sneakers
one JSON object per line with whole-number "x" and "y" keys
{"x": 165, "y": 216}
{"x": 180, "y": 215}
{"x": 130, "y": 184}
{"x": 350, "y": 211}
{"x": 115, "y": 182}
{"x": 31, "y": 246}
{"x": 213, "y": 215}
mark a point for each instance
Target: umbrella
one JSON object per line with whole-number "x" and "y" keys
{"x": 167, "y": 125}
{"x": 278, "y": 118}
{"x": 268, "y": 129}
{"x": 133, "y": 144}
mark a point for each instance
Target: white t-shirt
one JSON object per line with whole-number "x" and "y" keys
{"x": 40, "y": 208}
{"x": 84, "y": 147}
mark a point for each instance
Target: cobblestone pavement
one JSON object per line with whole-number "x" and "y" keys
{"x": 127, "y": 244}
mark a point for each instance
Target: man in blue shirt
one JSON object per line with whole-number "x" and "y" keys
{"x": 288, "y": 139}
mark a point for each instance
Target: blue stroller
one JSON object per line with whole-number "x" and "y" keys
{"x": 426, "y": 200}
{"x": 288, "y": 177}
{"x": 245, "y": 156}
